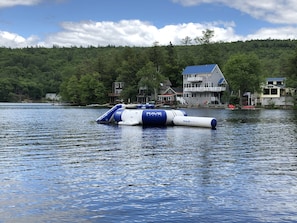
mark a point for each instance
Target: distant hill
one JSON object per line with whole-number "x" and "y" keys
{"x": 30, "y": 73}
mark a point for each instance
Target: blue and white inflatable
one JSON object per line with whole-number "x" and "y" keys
{"x": 146, "y": 115}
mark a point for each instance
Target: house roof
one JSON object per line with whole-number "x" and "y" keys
{"x": 199, "y": 69}
{"x": 275, "y": 79}
{"x": 171, "y": 91}
{"x": 178, "y": 89}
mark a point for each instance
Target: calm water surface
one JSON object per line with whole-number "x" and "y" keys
{"x": 58, "y": 165}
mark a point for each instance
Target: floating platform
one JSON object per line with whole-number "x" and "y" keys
{"x": 147, "y": 115}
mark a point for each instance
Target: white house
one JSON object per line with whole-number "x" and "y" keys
{"x": 52, "y": 97}
{"x": 203, "y": 85}
{"x": 275, "y": 93}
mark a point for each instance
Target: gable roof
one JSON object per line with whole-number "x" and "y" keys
{"x": 275, "y": 79}
{"x": 169, "y": 90}
{"x": 199, "y": 69}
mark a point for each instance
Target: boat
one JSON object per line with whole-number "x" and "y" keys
{"x": 148, "y": 115}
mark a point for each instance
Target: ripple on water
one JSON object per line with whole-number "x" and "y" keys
{"x": 58, "y": 165}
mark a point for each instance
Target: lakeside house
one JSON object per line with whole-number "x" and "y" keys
{"x": 52, "y": 97}
{"x": 274, "y": 93}
{"x": 171, "y": 96}
{"x": 144, "y": 95}
{"x": 115, "y": 95}
{"x": 166, "y": 94}
{"x": 203, "y": 85}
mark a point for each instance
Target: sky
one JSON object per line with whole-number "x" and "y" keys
{"x": 83, "y": 23}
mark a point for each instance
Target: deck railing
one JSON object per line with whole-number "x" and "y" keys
{"x": 204, "y": 89}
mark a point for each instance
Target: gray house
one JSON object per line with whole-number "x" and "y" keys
{"x": 203, "y": 85}
{"x": 115, "y": 95}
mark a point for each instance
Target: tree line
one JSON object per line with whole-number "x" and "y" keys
{"x": 85, "y": 75}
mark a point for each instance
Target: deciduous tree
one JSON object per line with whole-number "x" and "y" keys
{"x": 150, "y": 78}
{"x": 243, "y": 73}
{"x": 206, "y": 37}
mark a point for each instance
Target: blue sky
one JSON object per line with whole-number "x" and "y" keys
{"x": 142, "y": 22}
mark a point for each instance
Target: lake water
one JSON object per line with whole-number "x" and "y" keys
{"x": 58, "y": 165}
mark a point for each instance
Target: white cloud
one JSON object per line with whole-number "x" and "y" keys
{"x": 274, "y": 11}
{"x": 86, "y": 33}
{"x": 134, "y": 33}
{"x": 287, "y": 32}
{"x": 138, "y": 33}
{"x": 13, "y": 40}
{"x": 11, "y": 3}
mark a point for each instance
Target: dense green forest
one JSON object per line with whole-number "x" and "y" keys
{"x": 85, "y": 75}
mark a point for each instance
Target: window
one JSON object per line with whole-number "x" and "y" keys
{"x": 266, "y": 91}
{"x": 273, "y": 91}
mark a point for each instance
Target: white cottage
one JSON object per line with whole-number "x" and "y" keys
{"x": 275, "y": 93}
{"x": 203, "y": 85}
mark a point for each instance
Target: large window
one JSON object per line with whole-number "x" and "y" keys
{"x": 266, "y": 91}
{"x": 274, "y": 91}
